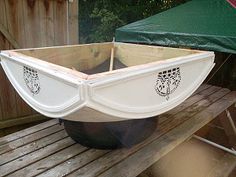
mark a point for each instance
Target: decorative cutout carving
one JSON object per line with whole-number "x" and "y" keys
{"x": 31, "y": 79}
{"x": 167, "y": 82}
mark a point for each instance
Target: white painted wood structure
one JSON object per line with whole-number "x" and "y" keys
{"x": 45, "y": 150}
{"x": 153, "y": 79}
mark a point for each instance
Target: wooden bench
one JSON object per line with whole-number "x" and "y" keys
{"x": 46, "y": 149}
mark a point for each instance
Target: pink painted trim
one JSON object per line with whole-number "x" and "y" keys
{"x": 232, "y": 2}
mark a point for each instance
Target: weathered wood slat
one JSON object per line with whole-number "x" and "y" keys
{"x": 202, "y": 87}
{"x": 72, "y": 167}
{"x": 17, "y": 135}
{"x": 35, "y": 156}
{"x": 73, "y": 22}
{"x": 209, "y": 90}
{"x": 114, "y": 157}
{"x": 32, "y": 26}
{"x": 49, "y": 156}
{"x": 6, "y": 123}
{"x": 8, "y": 36}
{"x": 27, "y": 24}
{"x": 36, "y": 145}
{"x": 136, "y": 163}
{"x": 197, "y": 96}
{"x": 3, "y": 44}
{"x": 60, "y": 22}
{"x": 1, "y": 92}
{"x": 197, "y": 107}
{"x": 30, "y": 138}
{"x": 13, "y": 105}
{"x": 197, "y": 102}
{"x": 193, "y": 99}
{"x": 8, "y": 98}
{"x": 8, "y": 94}
{"x": 37, "y": 23}
{"x": 22, "y": 108}
{"x": 51, "y": 161}
{"x": 74, "y": 163}
{"x": 3, "y": 41}
{"x": 49, "y": 23}
{"x": 43, "y": 21}
{"x": 59, "y": 169}
{"x": 13, "y": 29}
{"x": 15, "y": 22}
{"x": 233, "y": 112}
{"x": 229, "y": 127}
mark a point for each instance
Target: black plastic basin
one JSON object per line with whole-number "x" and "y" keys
{"x": 110, "y": 135}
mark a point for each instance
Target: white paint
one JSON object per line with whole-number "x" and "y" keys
{"x": 125, "y": 94}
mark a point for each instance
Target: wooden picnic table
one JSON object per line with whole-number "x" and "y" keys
{"x": 46, "y": 149}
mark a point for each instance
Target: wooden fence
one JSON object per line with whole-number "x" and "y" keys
{"x": 26, "y": 24}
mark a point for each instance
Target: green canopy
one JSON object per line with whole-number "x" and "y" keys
{"x": 199, "y": 24}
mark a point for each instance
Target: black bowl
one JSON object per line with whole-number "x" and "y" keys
{"x": 111, "y": 135}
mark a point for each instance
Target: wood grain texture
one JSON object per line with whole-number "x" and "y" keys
{"x": 8, "y": 98}
{"x": 196, "y": 97}
{"x": 8, "y": 40}
{"x": 28, "y": 131}
{"x": 42, "y": 23}
{"x": 7, "y": 93}
{"x": 38, "y": 151}
{"x": 11, "y": 122}
{"x": 60, "y": 22}
{"x": 50, "y": 162}
{"x": 73, "y": 22}
{"x": 15, "y": 22}
{"x": 75, "y": 163}
{"x": 4, "y": 43}
{"x": 31, "y": 23}
{"x": 229, "y": 127}
{"x": 1, "y": 98}
{"x": 202, "y": 87}
{"x": 35, "y": 156}
{"x": 128, "y": 54}
{"x": 136, "y": 163}
{"x": 174, "y": 120}
{"x": 31, "y": 147}
{"x": 8, "y": 36}
{"x": 46, "y": 18}
{"x": 30, "y": 138}
{"x": 232, "y": 110}
{"x": 81, "y": 57}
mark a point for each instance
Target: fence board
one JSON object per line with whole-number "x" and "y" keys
{"x": 32, "y": 23}
{"x": 73, "y": 22}
{"x": 15, "y": 21}
{"x": 60, "y": 25}
{"x": 8, "y": 98}
{"x": 46, "y": 22}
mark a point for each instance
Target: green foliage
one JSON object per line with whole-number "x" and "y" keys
{"x": 104, "y": 30}
{"x": 99, "y": 19}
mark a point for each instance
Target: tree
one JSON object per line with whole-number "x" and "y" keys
{"x": 99, "y": 19}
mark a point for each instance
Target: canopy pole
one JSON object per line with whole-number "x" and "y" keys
{"x": 215, "y": 145}
{"x": 112, "y": 56}
{"x": 218, "y": 68}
